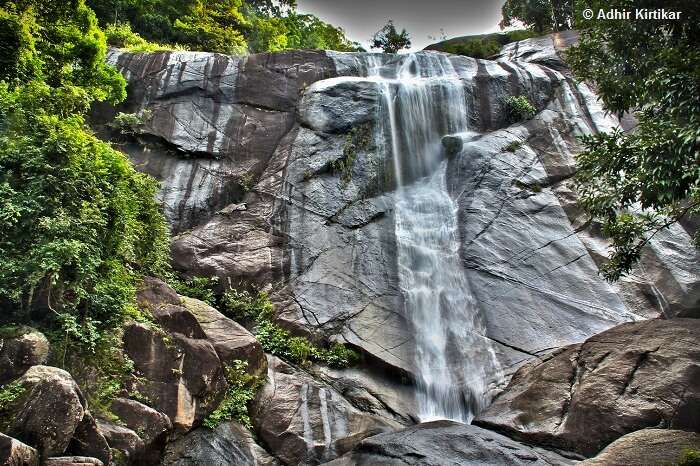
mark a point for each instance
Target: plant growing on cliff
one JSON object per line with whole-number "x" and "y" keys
{"x": 9, "y": 395}
{"x": 518, "y": 108}
{"x": 639, "y": 183}
{"x": 689, "y": 458}
{"x": 202, "y": 288}
{"x": 240, "y": 391}
{"x": 240, "y": 304}
{"x": 357, "y": 139}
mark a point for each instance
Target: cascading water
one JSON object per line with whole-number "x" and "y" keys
{"x": 423, "y": 100}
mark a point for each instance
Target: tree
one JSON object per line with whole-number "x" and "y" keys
{"x": 540, "y": 15}
{"x": 78, "y": 225}
{"x": 640, "y": 182}
{"x": 390, "y": 40}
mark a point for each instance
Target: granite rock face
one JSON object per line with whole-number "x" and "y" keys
{"x": 276, "y": 174}
{"x": 651, "y": 447}
{"x": 633, "y": 376}
{"x": 228, "y": 444}
{"x": 445, "y": 442}
{"x": 15, "y": 453}
{"x": 303, "y": 421}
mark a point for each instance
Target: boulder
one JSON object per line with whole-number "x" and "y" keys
{"x": 633, "y": 376}
{"x": 445, "y": 442}
{"x": 228, "y": 444}
{"x": 152, "y": 426}
{"x": 303, "y": 421}
{"x": 230, "y": 340}
{"x": 650, "y": 447}
{"x": 195, "y": 319}
{"x": 15, "y": 453}
{"x": 182, "y": 377}
{"x": 128, "y": 445}
{"x": 21, "y": 349}
{"x": 72, "y": 461}
{"x": 49, "y": 411}
{"x": 89, "y": 440}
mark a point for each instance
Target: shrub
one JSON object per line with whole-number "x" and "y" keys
{"x": 513, "y": 146}
{"x": 131, "y": 123}
{"x": 244, "y": 305}
{"x": 518, "y": 108}
{"x": 241, "y": 389}
{"x": 121, "y": 36}
{"x": 475, "y": 48}
{"x": 201, "y": 288}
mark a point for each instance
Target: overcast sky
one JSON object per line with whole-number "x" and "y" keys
{"x": 362, "y": 18}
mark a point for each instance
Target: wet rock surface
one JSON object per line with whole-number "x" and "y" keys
{"x": 633, "y": 376}
{"x": 445, "y": 442}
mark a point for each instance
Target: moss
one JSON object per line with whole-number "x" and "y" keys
{"x": 534, "y": 187}
{"x": 359, "y": 138}
{"x": 13, "y": 331}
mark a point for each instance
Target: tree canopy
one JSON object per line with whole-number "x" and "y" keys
{"x": 639, "y": 182}
{"x": 540, "y": 15}
{"x": 390, "y": 40}
{"x": 225, "y": 26}
{"x": 78, "y": 225}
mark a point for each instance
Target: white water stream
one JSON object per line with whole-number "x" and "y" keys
{"x": 423, "y": 100}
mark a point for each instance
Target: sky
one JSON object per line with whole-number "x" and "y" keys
{"x": 422, "y": 18}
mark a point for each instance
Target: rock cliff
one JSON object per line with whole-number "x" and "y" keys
{"x": 275, "y": 175}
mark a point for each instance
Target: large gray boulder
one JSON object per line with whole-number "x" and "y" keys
{"x": 650, "y": 447}
{"x": 444, "y": 442}
{"x": 303, "y": 421}
{"x": 152, "y": 426}
{"x": 48, "y": 412}
{"x": 583, "y": 397}
{"x": 20, "y": 349}
{"x": 227, "y": 444}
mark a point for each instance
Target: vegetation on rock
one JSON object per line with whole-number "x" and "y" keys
{"x": 518, "y": 108}
{"x": 241, "y": 390}
{"x": 638, "y": 183}
{"x": 483, "y": 46}
{"x": 278, "y": 341}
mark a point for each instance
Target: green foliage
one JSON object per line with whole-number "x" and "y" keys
{"x": 10, "y": 394}
{"x": 651, "y": 67}
{"x": 131, "y": 123}
{"x": 121, "y": 36}
{"x": 475, "y": 48}
{"x": 299, "y": 350}
{"x": 201, "y": 288}
{"x": 244, "y": 305}
{"x": 540, "y": 15}
{"x": 241, "y": 389}
{"x": 229, "y": 26}
{"x": 390, "y": 40}
{"x": 518, "y": 108}
{"x": 689, "y": 458}
{"x": 513, "y": 146}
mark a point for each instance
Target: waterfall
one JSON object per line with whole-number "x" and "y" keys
{"x": 423, "y": 100}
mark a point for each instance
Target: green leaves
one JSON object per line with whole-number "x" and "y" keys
{"x": 640, "y": 182}
{"x": 518, "y": 108}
